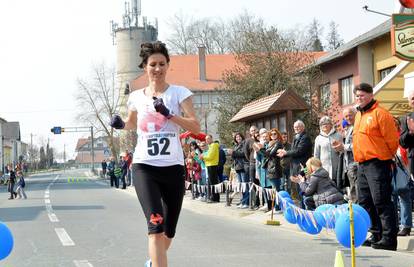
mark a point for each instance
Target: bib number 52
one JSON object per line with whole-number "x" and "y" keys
{"x": 154, "y": 146}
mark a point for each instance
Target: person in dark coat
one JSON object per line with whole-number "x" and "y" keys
{"x": 111, "y": 173}
{"x": 12, "y": 182}
{"x": 104, "y": 166}
{"x": 319, "y": 188}
{"x": 123, "y": 164}
{"x": 299, "y": 153}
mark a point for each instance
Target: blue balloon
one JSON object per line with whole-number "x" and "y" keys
{"x": 325, "y": 215}
{"x": 6, "y": 241}
{"x": 363, "y": 212}
{"x": 342, "y": 230}
{"x": 289, "y": 214}
{"x": 324, "y": 207}
{"x": 284, "y": 194}
{"x": 319, "y": 218}
{"x": 285, "y": 202}
{"x": 307, "y": 225}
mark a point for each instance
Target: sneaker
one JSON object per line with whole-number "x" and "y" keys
{"x": 404, "y": 232}
{"x": 264, "y": 208}
{"x": 239, "y": 206}
{"x": 148, "y": 263}
{"x": 244, "y": 206}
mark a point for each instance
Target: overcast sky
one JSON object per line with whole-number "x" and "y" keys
{"x": 46, "y": 44}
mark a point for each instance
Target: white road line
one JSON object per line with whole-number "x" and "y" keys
{"x": 53, "y": 217}
{"x": 64, "y": 237}
{"x": 47, "y": 201}
{"x": 82, "y": 263}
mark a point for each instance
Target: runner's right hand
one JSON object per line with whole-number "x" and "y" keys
{"x": 117, "y": 122}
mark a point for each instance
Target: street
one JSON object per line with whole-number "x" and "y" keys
{"x": 72, "y": 219}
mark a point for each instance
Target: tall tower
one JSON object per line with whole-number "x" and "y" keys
{"x": 135, "y": 30}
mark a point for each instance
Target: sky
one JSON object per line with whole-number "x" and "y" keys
{"x": 45, "y": 45}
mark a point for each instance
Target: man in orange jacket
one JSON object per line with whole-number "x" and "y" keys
{"x": 375, "y": 142}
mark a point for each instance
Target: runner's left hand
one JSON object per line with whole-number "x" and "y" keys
{"x": 161, "y": 108}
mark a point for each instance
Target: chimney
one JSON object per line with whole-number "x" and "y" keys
{"x": 202, "y": 63}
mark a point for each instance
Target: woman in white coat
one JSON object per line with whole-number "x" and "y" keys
{"x": 323, "y": 146}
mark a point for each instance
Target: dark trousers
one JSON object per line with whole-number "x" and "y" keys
{"x": 124, "y": 173}
{"x": 374, "y": 195}
{"x": 212, "y": 180}
{"x": 114, "y": 180}
{"x": 11, "y": 190}
{"x": 253, "y": 195}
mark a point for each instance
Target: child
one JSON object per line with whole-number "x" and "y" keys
{"x": 20, "y": 185}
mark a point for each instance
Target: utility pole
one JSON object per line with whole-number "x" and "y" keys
{"x": 92, "y": 151}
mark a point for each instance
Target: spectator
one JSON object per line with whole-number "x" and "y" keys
{"x": 222, "y": 161}
{"x": 123, "y": 164}
{"x": 318, "y": 189}
{"x": 240, "y": 165}
{"x": 324, "y": 151}
{"x": 272, "y": 165}
{"x": 211, "y": 159}
{"x": 12, "y": 181}
{"x": 128, "y": 159}
{"x": 375, "y": 143}
{"x": 193, "y": 168}
{"x": 261, "y": 163}
{"x": 111, "y": 173}
{"x": 299, "y": 153}
{"x": 350, "y": 167}
{"x": 407, "y": 141}
{"x": 203, "y": 180}
{"x": 251, "y": 172}
{"x": 285, "y": 163}
{"x": 104, "y": 166}
{"x": 21, "y": 185}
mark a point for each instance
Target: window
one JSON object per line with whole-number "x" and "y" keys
{"x": 197, "y": 99}
{"x": 282, "y": 122}
{"x": 325, "y": 96}
{"x": 347, "y": 87}
{"x": 260, "y": 124}
{"x": 385, "y": 72}
{"x": 204, "y": 99}
{"x": 273, "y": 122}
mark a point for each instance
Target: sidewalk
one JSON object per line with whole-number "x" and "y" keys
{"x": 405, "y": 244}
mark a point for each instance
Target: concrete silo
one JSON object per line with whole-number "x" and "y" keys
{"x": 135, "y": 30}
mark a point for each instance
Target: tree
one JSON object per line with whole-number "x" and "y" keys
{"x": 333, "y": 38}
{"x": 99, "y": 98}
{"x": 315, "y": 30}
{"x": 267, "y": 62}
{"x": 179, "y": 40}
{"x": 43, "y": 158}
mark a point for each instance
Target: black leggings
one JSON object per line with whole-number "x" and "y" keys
{"x": 160, "y": 191}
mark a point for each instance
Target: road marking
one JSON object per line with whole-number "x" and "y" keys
{"x": 47, "y": 201}
{"x": 82, "y": 263}
{"x": 64, "y": 237}
{"x": 53, "y": 217}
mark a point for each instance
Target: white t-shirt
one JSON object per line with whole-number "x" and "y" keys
{"x": 158, "y": 142}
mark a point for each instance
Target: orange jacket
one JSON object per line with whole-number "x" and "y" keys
{"x": 375, "y": 135}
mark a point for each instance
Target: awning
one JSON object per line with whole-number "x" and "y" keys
{"x": 276, "y": 103}
{"x": 390, "y": 90}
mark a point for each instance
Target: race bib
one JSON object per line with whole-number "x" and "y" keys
{"x": 158, "y": 146}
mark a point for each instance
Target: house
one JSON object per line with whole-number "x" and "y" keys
{"x": 83, "y": 152}
{"x": 367, "y": 58}
{"x": 12, "y": 149}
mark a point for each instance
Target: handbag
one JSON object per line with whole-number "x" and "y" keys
{"x": 401, "y": 177}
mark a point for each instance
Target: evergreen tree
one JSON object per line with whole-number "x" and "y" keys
{"x": 333, "y": 38}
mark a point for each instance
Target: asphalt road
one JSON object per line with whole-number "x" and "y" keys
{"x": 84, "y": 222}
